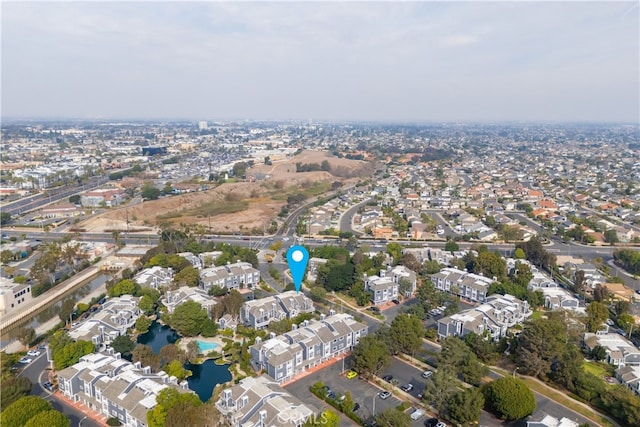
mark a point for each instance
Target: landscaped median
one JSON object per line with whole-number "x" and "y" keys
{"x": 346, "y": 405}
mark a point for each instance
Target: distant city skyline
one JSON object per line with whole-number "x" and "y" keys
{"x": 349, "y": 61}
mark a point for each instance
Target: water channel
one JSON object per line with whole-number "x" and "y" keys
{"x": 51, "y": 311}
{"x": 204, "y": 377}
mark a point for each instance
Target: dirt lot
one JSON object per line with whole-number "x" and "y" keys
{"x": 239, "y": 206}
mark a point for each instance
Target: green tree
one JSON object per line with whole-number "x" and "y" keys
{"x": 188, "y": 318}
{"x": 149, "y": 192}
{"x": 611, "y": 236}
{"x": 6, "y": 256}
{"x": 370, "y": 356}
{"x": 123, "y": 287}
{"x": 123, "y": 345}
{"x": 22, "y": 410}
{"x": 144, "y": 354}
{"x": 540, "y": 342}
{"x": 465, "y": 406}
{"x": 143, "y": 324}
{"x": 509, "y": 398}
{"x": 318, "y": 293}
{"x": 188, "y": 276}
{"x": 50, "y": 418}
{"x": 451, "y": 246}
{"x": 406, "y": 333}
{"x": 67, "y": 307}
{"x": 71, "y": 353}
{"x": 75, "y": 199}
{"x": 147, "y": 305}
{"x": 347, "y": 403}
{"x": 168, "y": 398}
{"x": 25, "y": 335}
{"x": 176, "y": 369}
{"x": 5, "y": 218}
{"x": 457, "y": 356}
{"x": 13, "y": 388}
{"x": 395, "y": 250}
{"x": 171, "y": 352}
{"x": 391, "y": 417}
{"x": 519, "y": 254}
{"x": 439, "y": 389}
{"x": 597, "y": 314}
{"x": 192, "y": 351}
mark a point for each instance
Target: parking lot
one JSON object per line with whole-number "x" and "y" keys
{"x": 363, "y": 393}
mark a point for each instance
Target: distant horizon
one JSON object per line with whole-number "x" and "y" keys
{"x": 424, "y": 61}
{"x": 195, "y": 121}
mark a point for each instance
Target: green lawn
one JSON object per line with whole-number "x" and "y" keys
{"x": 596, "y": 369}
{"x": 536, "y": 315}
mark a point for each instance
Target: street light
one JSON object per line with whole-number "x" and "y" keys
{"x": 515, "y": 370}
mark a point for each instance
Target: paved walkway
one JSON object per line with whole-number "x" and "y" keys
{"x": 90, "y": 413}
{"x": 314, "y": 369}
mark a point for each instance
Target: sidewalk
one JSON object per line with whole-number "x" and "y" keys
{"x": 90, "y": 413}
{"x": 314, "y": 369}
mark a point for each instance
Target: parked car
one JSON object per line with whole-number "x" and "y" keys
{"x": 395, "y": 301}
{"x": 388, "y": 378}
{"x": 356, "y": 406}
{"x": 351, "y": 375}
{"x": 441, "y": 424}
{"x": 427, "y": 374}
{"x": 49, "y": 386}
{"x": 25, "y": 360}
{"x": 417, "y": 414}
{"x": 384, "y": 395}
{"x": 33, "y": 353}
{"x": 407, "y": 387}
{"x": 431, "y": 422}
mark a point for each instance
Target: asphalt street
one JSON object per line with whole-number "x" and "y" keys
{"x": 37, "y": 372}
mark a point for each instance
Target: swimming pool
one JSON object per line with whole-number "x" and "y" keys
{"x": 206, "y": 347}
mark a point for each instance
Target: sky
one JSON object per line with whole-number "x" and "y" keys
{"x": 344, "y": 61}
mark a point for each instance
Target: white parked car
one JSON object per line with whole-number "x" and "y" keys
{"x": 33, "y": 353}
{"x": 25, "y": 360}
{"x": 441, "y": 424}
{"x": 427, "y": 374}
{"x": 417, "y": 414}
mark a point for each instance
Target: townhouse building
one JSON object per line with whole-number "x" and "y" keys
{"x": 116, "y": 387}
{"x": 116, "y": 316}
{"x": 494, "y": 317}
{"x": 555, "y": 297}
{"x": 195, "y": 260}
{"x": 258, "y": 402}
{"x": 172, "y": 299}
{"x": 307, "y": 345}
{"x": 471, "y": 286}
{"x": 231, "y": 276}
{"x": 620, "y": 351}
{"x": 386, "y": 286}
{"x": 287, "y": 305}
{"x": 630, "y": 377}
{"x": 155, "y": 277}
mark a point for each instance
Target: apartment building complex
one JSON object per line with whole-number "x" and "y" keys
{"x": 495, "y": 316}
{"x": 386, "y": 286}
{"x": 258, "y": 402}
{"x": 287, "y": 305}
{"x": 471, "y": 286}
{"x": 307, "y": 345}
{"x": 154, "y": 277}
{"x": 116, "y": 316}
{"x": 172, "y": 299}
{"x": 116, "y": 387}
{"x": 231, "y": 276}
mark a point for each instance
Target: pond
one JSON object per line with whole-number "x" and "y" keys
{"x": 204, "y": 377}
{"x": 158, "y": 336}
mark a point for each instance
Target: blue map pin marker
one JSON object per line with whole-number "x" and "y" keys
{"x": 297, "y": 257}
